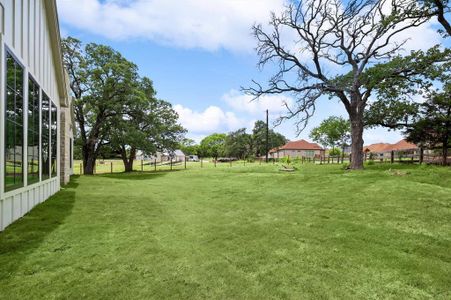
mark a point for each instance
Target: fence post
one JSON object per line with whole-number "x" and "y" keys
{"x": 142, "y": 165}
{"x": 421, "y": 155}
{"x": 111, "y": 167}
{"x": 392, "y": 156}
{"x": 185, "y": 162}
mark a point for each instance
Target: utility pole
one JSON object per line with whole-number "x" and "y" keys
{"x": 267, "y": 136}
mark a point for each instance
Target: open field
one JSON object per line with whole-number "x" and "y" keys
{"x": 242, "y": 232}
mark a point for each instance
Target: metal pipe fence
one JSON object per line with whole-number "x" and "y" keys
{"x": 117, "y": 166}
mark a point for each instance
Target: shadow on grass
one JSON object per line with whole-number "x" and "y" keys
{"x": 26, "y": 234}
{"x": 137, "y": 175}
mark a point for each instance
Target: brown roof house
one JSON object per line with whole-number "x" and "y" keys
{"x": 383, "y": 150}
{"x": 300, "y": 148}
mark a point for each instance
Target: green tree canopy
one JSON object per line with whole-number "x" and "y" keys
{"x": 213, "y": 145}
{"x": 332, "y": 132}
{"x": 148, "y": 124}
{"x": 238, "y": 144}
{"x": 101, "y": 81}
{"x": 259, "y": 139}
{"x": 189, "y": 147}
{"x": 432, "y": 127}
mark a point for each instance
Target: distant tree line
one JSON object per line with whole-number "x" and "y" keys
{"x": 238, "y": 144}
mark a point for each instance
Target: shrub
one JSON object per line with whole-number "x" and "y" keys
{"x": 334, "y": 152}
{"x": 285, "y": 160}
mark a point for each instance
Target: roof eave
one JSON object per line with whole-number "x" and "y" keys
{"x": 55, "y": 38}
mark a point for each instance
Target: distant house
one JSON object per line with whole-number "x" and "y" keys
{"x": 383, "y": 150}
{"x": 301, "y": 148}
{"x": 176, "y": 155}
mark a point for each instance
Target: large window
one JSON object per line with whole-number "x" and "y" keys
{"x": 45, "y": 137}
{"x": 54, "y": 138}
{"x": 14, "y": 118}
{"x": 33, "y": 131}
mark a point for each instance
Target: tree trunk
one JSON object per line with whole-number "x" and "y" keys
{"x": 128, "y": 165}
{"x": 342, "y": 153}
{"x": 445, "y": 152}
{"x": 89, "y": 159}
{"x": 128, "y": 161}
{"x": 357, "y": 142}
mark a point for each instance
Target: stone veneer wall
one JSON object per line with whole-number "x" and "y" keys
{"x": 67, "y": 136}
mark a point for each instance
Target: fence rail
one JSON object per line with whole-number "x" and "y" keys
{"x": 117, "y": 166}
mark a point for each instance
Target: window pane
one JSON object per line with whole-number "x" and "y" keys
{"x": 54, "y": 140}
{"x": 45, "y": 137}
{"x": 13, "y": 125}
{"x": 33, "y": 132}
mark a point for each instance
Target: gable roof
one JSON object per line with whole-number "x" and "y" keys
{"x": 300, "y": 145}
{"x": 385, "y": 147}
{"x": 404, "y": 145}
{"x": 378, "y": 147}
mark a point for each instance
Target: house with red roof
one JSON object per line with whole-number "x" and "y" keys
{"x": 301, "y": 148}
{"x": 383, "y": 150}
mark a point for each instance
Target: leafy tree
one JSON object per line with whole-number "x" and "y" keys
{"x": 350, "y": 36}
{"x": 259, "y": 139}
{"x": 238, "y": 144}
{"x": 332, "y": 132}
{"x": 189, "y": 147}
{"x": 101, "y": 80}
{"x": 335, "y": 152}
{"x": 430, "y": 76}
{"x": 438, "y": 8}
{"x": 433, "y": 125}
{"x": 213, "y": 145}
{"x": 148, "y": 124}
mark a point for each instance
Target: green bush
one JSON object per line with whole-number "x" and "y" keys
{"x": 285, "y": 160}
{"x": 334, "y": 152}
{"x": 296, "y": 160}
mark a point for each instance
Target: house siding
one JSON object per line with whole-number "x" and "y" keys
{"x": 27, "y": 33}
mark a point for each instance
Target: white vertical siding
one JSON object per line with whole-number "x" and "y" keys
{"x": 27, "y": 35}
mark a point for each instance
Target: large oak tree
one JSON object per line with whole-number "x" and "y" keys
{"x": 324, "y": 47}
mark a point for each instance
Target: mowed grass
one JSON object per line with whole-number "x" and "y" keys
{"x": 241, "y": 232}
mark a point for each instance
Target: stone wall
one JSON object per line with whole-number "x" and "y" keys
{"x": 66, "y": 144}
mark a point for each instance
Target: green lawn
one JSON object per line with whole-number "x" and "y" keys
{"x": 239, "y": 232}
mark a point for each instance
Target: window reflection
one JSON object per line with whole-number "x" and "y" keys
{"x": 33, "y": 132}
{"x": 14, "y": 124}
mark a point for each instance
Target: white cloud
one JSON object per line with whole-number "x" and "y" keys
{"x": 212, "y": 119}
{"x": 245, "y": 103}
{"x": 206, "y": 24}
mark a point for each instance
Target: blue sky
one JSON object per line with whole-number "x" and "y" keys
{"x": 198, "y": 53}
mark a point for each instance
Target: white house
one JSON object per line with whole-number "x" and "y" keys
{"x": 36, "y": 130}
